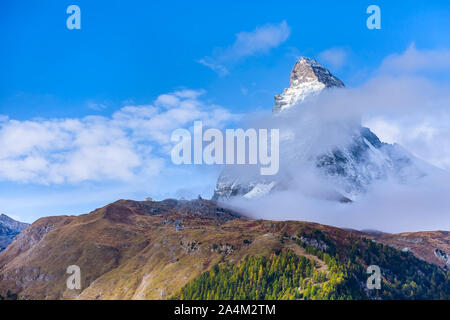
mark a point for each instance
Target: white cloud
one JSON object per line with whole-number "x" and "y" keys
{"x": 334, "y": 58}
{"x": 96, "y": 105}
{"x": 259, "y": 41}
{"x": 167, "y": 100}
{"x": 214, "y": 66}
{"x": 414, "y": 60}
{"x": 188, "y": 93}
{"x": 133, "y": 142}
{"x": 415, "y": 106}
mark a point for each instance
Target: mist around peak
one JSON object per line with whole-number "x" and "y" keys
{"x": 392, "y": 189}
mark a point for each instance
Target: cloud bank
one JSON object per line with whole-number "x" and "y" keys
{"x": 413, "y": 60}
{"x": 416, "y": 110}
{"x": 388, "y": 207}
{"x": 133, "y": 142}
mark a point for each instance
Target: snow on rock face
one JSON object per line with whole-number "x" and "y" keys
{"x": 259, "y": 190}
{"x": 344, "y": 169}
{"x": 308, "y": 78}
{"x": 353, "y": 168}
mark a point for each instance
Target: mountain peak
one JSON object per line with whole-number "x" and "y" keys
{"x": 308, "y": 77}
{"x": 309, "y": 70}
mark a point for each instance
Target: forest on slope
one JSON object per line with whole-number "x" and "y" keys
{"x": 285, "y": 275}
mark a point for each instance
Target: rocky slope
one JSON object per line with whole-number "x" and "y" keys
{"x": 150, "y": 250}
{"x": 432, "y": 246}
{"x": 9, "y": 229}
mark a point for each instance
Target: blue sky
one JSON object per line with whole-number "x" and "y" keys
{"x": 129, "y": 53}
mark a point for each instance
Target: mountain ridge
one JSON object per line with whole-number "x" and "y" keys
{"x": 152, "y": 249}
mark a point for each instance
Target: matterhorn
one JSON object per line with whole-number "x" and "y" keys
{"x": 332, "y": 159}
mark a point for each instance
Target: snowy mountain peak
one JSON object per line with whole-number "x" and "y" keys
{"x": 332, "y": 160}
{"x": 308, "y": 77}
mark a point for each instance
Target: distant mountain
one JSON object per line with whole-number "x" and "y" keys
{"x": 173, "y": 248}
{"x": 9, "y": 229}
{"x": 347, "y": 168}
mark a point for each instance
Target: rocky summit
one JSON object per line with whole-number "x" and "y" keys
{"x": 308, "y": 77}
